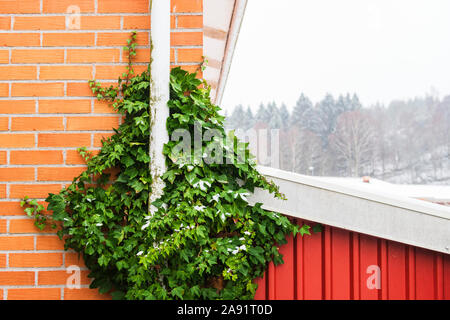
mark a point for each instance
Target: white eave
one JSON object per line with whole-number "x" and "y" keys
{"x": 384, "y": 215}
{"x": 221, "y": 24}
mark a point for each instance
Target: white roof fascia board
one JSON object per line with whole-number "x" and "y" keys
{"x": 233, "y": 34}
{"x": 218, "y": 13}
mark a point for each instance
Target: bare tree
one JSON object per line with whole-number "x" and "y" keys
{"x": 307, "y": 152}
{"x": 353, "y": 140}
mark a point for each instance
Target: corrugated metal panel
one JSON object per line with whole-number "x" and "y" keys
{"x": 333, "y": 265}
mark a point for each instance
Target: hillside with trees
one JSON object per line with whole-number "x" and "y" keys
{"x": 403, "y": 142}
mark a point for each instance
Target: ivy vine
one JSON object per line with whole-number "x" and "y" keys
{"x": 205, "y": 241}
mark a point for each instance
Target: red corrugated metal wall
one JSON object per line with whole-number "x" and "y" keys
{"x": 333, "y": 265}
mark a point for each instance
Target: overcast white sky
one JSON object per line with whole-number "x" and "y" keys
{"x": 380, "y": 49}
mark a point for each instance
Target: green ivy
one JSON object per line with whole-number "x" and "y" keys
{"x": 205, "y": 241}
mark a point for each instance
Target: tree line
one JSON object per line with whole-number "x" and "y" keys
{"x": 406, "y": 141}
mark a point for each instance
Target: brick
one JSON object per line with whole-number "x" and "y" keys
{"x": 2, "y": 193}
{"x": 3, "y": 159}
{"x": 49, "y": 243}
{"x": 190, "y": 22}
{"x": 84, "y": 294}
{"x": 100, "y": 22}
{"x": 173, "y": 22}
{"x": 34, "y": 294}
{"x": 74, "y": 259}
{"x": 16, "y": 243}
{"x": 3, "y": 226}
{"x": 35, "y": 260}
{"x": 120, "y": 39}
{"x": 77, "y": 89}
{"x": 5, "y": 23}
{"x": 59, "y": 174}
{"x": 190, "y": 55}
{"x": 19, "y": 191}
{"x": 187, "y": 6}
{"x": 98, "y": 137}
{"x": 65, "y": 72}
{"x": 16, "y": 278}
{"x": 186, "y": 38}
{"x": 4, "y": 124}
{"x": 61, "y": 277}
{"x": 73, "y": 156}
{"x": 4, "y": 90}
{"x": 136, "y": 22}
{"x": 22, "y": 6}
{"x": 93, "y": 55}
{"x": 19, "y": 39}
{"x": 37, "y": 124}
{"x": 4, "y": 56}
{"x": 92, "y": 123}
{"x": 37, "y": 56}
{"x": 64, "y": 140}
{"x": 16, "y": 140}
{"x": 40, "y": 23}
{"x": 18, "y": 73}
{"x": 61, "y": 6}
{"x": 68, "y": 39}
{"x": 36, "y": 157}
{"x": 120, "y": 6}
{"x": 27, "y": 226}
{"x": 114, "y": 71}
{"x": 16, "y": 174}
{"x": 17, "y": 106}
{"x": 11, "y": 208}
{"x": 103, "y": 107}
{"x": 64, "y": 106}
{"x": 37, "y": 89}
{"x": 2, "y": 260}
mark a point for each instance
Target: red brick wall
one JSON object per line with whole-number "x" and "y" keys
{"x": 47, "y": 111}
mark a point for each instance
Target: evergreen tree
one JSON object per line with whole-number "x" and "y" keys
{"x": 327, "y": 113}
{"x": 275, "y": 121}
{"x": 343, "y": 103}
{"x": 249, "y": 120}
{"x": 355, "y": 103}
{"x": 301, "y": 108}
{"x": 236, "y": 120}
{"x": 284, "y": 114}
{"x": 262, "y": 115}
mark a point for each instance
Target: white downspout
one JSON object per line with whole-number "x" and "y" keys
{"x": 159, "y": 93}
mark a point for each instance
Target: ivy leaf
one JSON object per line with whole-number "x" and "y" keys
{"x": 170, "y": 175}
{"x": 317, "y": 228}
{"x": 178, "y": 291}
{"x": 128, "y": 161}
{"x": 305, "y": 230}
{"x": 118, "y": 295}
{"x": 137, "y": 186}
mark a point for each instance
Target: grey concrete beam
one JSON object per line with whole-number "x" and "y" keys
{"x": 406, "y": 220}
